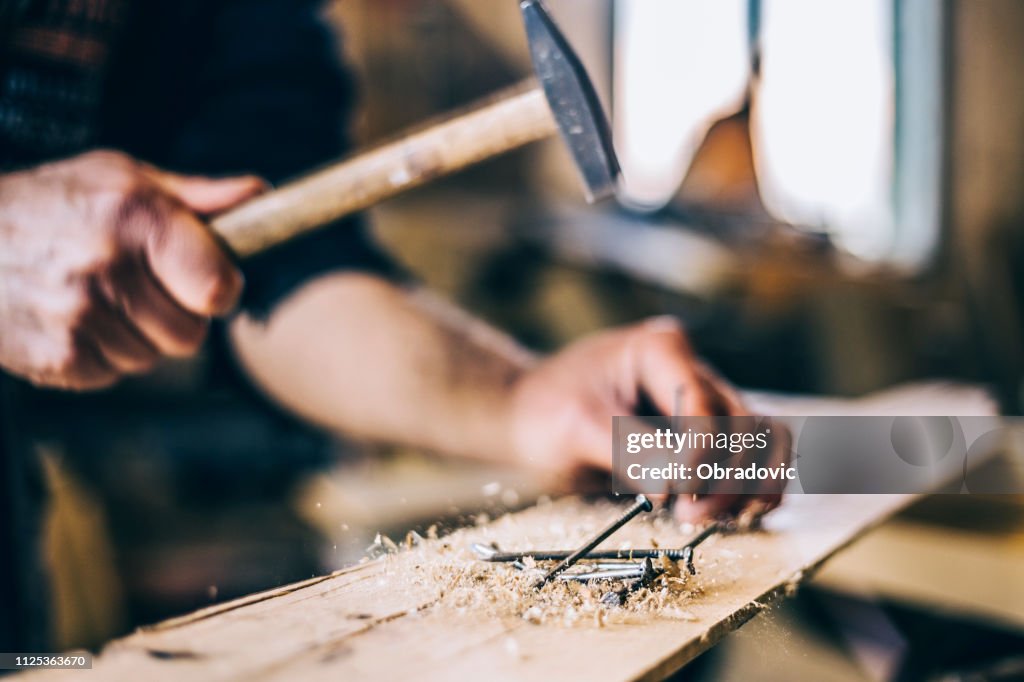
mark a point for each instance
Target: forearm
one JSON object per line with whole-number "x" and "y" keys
{"x": 367, "y": 358}
{"x": 370, "y": 359}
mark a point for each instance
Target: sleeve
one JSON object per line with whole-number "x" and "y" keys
{"x": 24, "y": 619}
{"x": 253, "y": 86}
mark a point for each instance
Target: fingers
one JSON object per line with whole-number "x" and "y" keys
{"x": 611, "y": 375}
{"x": 690, "y": 510}
{"x": 680, "y": 384}
{"x": 745, "y": 509}
{"x": 156, "y": 302}
{"x": 122, "y": 347}
{"x": 208, "y": 196}
{"x": 190, "y": 265}
{"x": 181, "y": 252}
{"x": 157, "y": 319}
{"x": 752, "y": 498}
{"x": 122, "y": 268}
{"x": 780, "y": 454}
{"x": 727, "y": 400}
{"x": 86, "y": 370}
{"x": 668, "y": 371}
{"x": 595, "y": 442}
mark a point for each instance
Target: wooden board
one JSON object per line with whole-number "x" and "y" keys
{"x": 369, "y": 623}
{"x": 399, "y": 618}
{"x": 967, "y": 566}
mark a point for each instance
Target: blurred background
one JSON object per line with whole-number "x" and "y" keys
{"x": 827, "y": 193}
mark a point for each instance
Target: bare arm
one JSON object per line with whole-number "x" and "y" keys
{"x": 367, "y": 358}
{"x": 362, "y": 356}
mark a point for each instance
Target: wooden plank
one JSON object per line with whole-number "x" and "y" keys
{"x": 965, "y": 572}
{"x": 383, "y": 619}
{"x": 436, "y": 613}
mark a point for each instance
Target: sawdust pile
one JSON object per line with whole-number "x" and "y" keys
{"x": 467, "y": 585}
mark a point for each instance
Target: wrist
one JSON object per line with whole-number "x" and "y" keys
{"x": 491, "y": 420}
{"x": 538, "y": 419}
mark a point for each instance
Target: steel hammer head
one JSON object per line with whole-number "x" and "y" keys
{"x": 573, "y": 101}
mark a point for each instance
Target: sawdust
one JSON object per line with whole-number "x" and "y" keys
{"x": 467, "y": 585}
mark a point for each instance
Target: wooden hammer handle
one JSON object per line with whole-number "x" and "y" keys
{"x": 509, "y": 120}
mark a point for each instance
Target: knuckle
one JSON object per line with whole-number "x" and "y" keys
{"x": 111, "y": 168}
{"x": 127, "y": 364}
{"x": 666, "y": 327}
{"x": 109, "y": 159}
{"x": 139, "y": 364}
{"x": 219, "y": 291}
{"x": 145, "y": 354}
{"x": 665, "y": 344}
{"x": 105, "y": 155}
{"x": 674, "y": 335}
{"x": 655, "y": 346}
{"x": 132, "y": 200}
{"x": 99, "y": 253}
{"x": 140, "y": 359}
{"x": 569, "y": 417}
{"x": 188, "y": 338}
{"x": 129, "y": 205}
{"x": 662, "y": 323}
{"x": 257, "y": 183}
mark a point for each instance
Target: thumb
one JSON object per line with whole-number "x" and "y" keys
{"x": 207, "y": 196}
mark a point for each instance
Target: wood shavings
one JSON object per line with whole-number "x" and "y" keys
{"x": 345, "y": 625}
{"x": 671, "y": 568}
{"x": 467, "y": 585}
{"x": 382, "y": 545}
{"x": 413, "y": 539}
{"x": 676, "y": 613}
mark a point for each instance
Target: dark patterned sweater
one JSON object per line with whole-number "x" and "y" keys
{"x": 205, "y": 86}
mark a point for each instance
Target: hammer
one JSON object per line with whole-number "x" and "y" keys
{"x": 561, "y": 99}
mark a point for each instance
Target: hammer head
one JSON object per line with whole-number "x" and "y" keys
{"x": 574, "y": 102}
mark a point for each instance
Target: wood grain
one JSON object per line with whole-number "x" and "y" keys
{"x": 357, "y": 625}
{"x": 391, "y": 619}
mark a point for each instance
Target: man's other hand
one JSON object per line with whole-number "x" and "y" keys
{"x": 563, "y": 407}
{"x": 106, "y": 265}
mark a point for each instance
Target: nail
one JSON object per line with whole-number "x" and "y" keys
{"x": 647, "y": 575}
{"x": 692, "y": 544}
{"x": 486, "y": 554}
{"x": 642, "y": 504}
{"x": 632, "y": 572}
